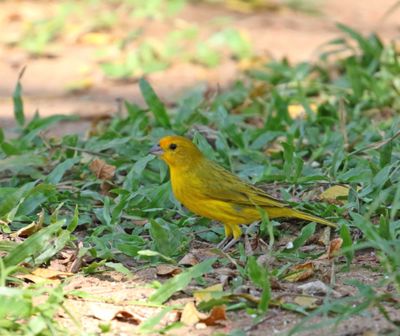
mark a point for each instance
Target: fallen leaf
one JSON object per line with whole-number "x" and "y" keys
{"x": 333, "y": 249}
{"x": 297, "y": 111}
{"x": 335, "y": 193}
{"x": 127, "y": 317}
{"x": 255, "y": 62}
{"x": 30, "y": 229}
{"x": 45, "y": 274}
{"x": 166, "y": 269}
{"x": 79, "y": 86}
{"x": 189, "y": 260}
{"x": 206, "y": 294}
{"x": 37, "y": 279}
{"x": 96, "y": 38}
{"x": 307, "y": 302}
{"x": 300, "y": 272}
{"x": 191, "y": 316}
{"x": 317, "y": 288}
{"x": 325, "y": 236}
{"x": 217, "y": 314}
{"x": 102, "y": 170}
{"x": 48, "y": 273}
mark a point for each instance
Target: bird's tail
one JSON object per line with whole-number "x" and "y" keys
{"x": 311, "y": 218}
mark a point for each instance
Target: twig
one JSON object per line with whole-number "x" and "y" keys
{"x": 84, "y": 151}
{"x": 377, "y": 145}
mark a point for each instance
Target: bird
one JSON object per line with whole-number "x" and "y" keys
{"x": 209, "y": 190}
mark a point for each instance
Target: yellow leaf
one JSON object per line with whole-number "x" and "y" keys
{"x": 206, "y": 294}
{"x": 48, "y": 273}
{"x": 30, "y": 229}
{"x": 96, "y": 38}
{"x": 297, "y": 111}
{"x": 335, "y": 192}
{"x": 190, "y": 314}
{"x": 300, "y": 272}
{"x": 307, "y": 302}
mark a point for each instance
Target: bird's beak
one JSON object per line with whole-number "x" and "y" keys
{"x": 156, "y": 150}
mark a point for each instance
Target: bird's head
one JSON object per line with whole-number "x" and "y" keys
{"x": 177, "y": 151}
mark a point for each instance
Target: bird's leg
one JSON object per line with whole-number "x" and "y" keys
{"x": 223, "y": 242}
{"x": 228, "y": 235}
{"x": 231, "y": 243}
{"x": 228, "y": 242}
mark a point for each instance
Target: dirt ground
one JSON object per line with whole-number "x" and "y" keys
{"x": 296, "y": 35}
{"x": 116, "y": 302}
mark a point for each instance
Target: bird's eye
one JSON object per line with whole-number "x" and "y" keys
{"x": 172, "y": 146}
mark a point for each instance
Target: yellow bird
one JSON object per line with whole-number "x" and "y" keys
{"x": 209, "y": 190}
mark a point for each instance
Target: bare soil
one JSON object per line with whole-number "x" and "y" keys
{"x": 295, "y": 35}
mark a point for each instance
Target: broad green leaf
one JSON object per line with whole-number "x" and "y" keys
{"x": 147, "y": 326}
{"x": 32, "y": 246}
{"x": 58, "y": 172}
{"x": 154, "y": 103}
{"x": 120, "y": 268}
{"x": 167, "y": 237}
{"x": 17, "y": 162}
{"x": 305, "y": 233}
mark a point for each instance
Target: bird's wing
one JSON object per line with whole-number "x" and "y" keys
{"x": 232, "y": 189}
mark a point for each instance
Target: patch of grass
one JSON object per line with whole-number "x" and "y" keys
{"x": 348, "y": 134}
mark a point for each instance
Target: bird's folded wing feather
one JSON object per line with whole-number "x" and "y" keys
{"x": 232, "y": 189}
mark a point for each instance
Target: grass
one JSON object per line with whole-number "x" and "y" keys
{"x": 348, "y": 135}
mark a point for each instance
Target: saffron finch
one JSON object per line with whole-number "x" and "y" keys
{"x": 209, "y": 190}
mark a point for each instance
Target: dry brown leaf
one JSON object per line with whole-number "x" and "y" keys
{"x": 206, "y": 294}
{"x": 307, "y": 302}
{"x": 335, "y": 192}
{"x": 191, "y": 316}
{"x": 166, "y": 269}
{"x": 31, "y": 228}
{"x": 217, "y": 314}
{"x": 325, "y": 236}
{"x": 101, "y": 169}
{"x": 127, "y": 317}
{"x": 300, "y": 272}
{"x": 333, "y": 248}
{"x": 188, "y": 260}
